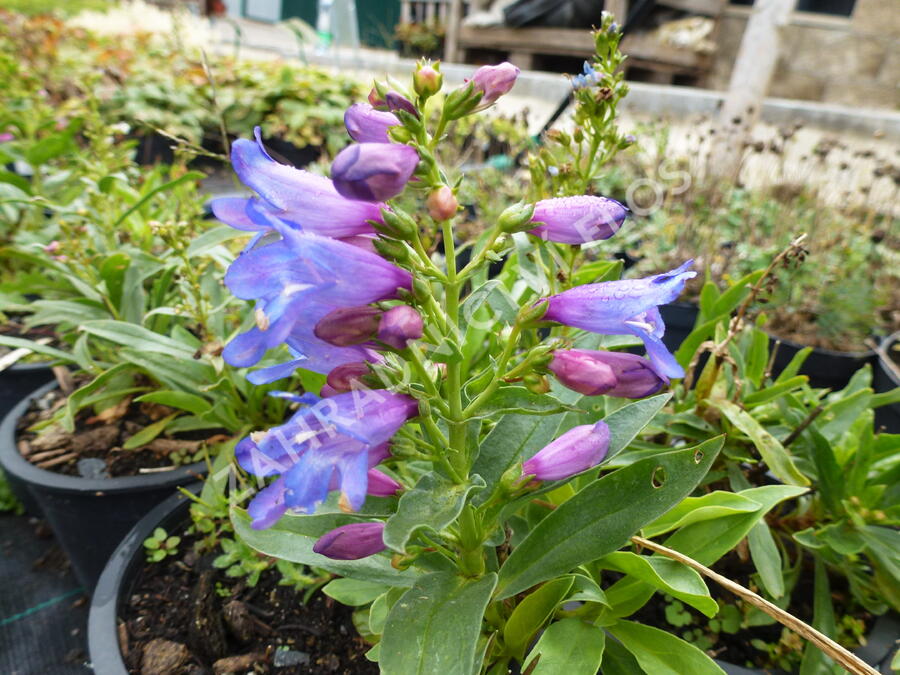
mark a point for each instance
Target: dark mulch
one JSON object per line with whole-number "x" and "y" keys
{"x": 185, "y": 610}
{"x": 101, "y": 436}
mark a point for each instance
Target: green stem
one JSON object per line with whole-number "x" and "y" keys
{"x": 508, "y": 350}
{"x": 457, "y": 422}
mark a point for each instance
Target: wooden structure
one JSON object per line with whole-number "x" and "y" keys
{"x": 425, "y": 11}
{"x": 659, "y": 62}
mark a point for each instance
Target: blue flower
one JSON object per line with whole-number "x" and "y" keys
{"x": 626, "y": 307}
{"x": 332, "y": 444}
{"x": 301, "y": 199}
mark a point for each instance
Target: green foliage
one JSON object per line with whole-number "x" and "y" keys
{"x": 160, "y": 545}
{"x": 8, "y": 501}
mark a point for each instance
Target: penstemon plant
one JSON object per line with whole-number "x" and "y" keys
{"x": 454, "y": 454}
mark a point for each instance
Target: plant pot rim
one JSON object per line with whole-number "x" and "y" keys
{"x": 16, "y": 465}
{"x": 861, "y": 355}
{"x": 29, "y": 367}
{"x": 891, "y": 369}
{"x": 103, "y": 634}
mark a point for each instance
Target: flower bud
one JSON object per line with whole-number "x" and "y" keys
{"x": 391, "y": 249}
{"x": 397, "y": 102}
{"x": 351, "y": 542}
{"x": 537, "y": 384}
{"x": 493, "y": 82}
{"x": 442, "y": 204}
{"x": 575, "y": 451}
{"x": 382, "y": 485}
{"x": 367, "y": 125}
{"x": 373, "y": 172}
{"x": 397, "y": 224}
{"x": 398, "y": 325}
{"x": 591, "y": 373}
{"x": 516, "y": 218}
{"x": 427, "y": 80}
{"x": 347, "y": 376}
{"x": 376, "y": 97}
{"x": 577, "y": 220}
{"x": 348, "y": 326}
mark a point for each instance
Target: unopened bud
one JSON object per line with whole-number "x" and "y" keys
{"x": 399, "y": 325}
{"x": 376, "y": 97}
{"x": 537, "y": 384}
{"x": 442, "y": 204}
{"x": 348, "y": 325}
{"x": 391, "y": 249}
{"x": 427, "y": 80}
{"x": 516, "y": 218}
{"x": 397, "y": 224}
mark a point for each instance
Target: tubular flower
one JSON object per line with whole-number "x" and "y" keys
{"x": 351, "y": 542}
{"x": 626, "y": 307}
{"x": 367, "y": 125}
{"x": 296, "y": 281}
{"x": 347, "y": 376}
{"x": 493, "y": 82}
{"x": 330, "y": 445}
{"x": 348, "y": 325}
{"x": 577, "y": 220}
{"x": 591, "y": 373}
{"x": 302, "y": 200}
{"x": 575, "y": 451}
{"x": 373, "y": 172}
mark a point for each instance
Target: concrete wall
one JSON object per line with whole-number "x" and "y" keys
{"x": 848, "y": 60}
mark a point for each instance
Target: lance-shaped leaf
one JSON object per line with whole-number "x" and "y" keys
{"x": 520, "y": 400}
{"x": 602, "y": 516}
{"x": 662, "y": 653}
{"x": 670, "y": 576}
{"x": 530, "y": 614}
{"x": 694, "y": 509}
{"x": 432, "y": 504}
{"x": 434, "y": 627}
{"x": 570, "y": 646}
{"x": 774, "y": 454}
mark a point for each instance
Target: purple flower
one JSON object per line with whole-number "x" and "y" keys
{"x": 348, "y": 325}
{"x": 302, "y": 200}
{"x": 367, "y": 125}
{"x": 396, "y": 102}
{"x": 351, "y": 542}
{"x": 577, "y": 220}
{"x": 373, "y": 172}
{"x": 626, "y": 307}
{"x": 382, "y": 485}
{"x": 330, "y": 445}
{"x": 5, "y": 137}
{"x": 575, "y": 451}
{"x": 493, "y": 82}
{"x": 592, "y": 373}
{"x": 399, "y": 325}
{"x": 296, "y": 281}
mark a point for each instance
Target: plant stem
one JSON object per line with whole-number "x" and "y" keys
{"x": 848, "y": 661}
{"x": 457, "y": 423}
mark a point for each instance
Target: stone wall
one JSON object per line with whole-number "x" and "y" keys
{"x": 848, "y": 60}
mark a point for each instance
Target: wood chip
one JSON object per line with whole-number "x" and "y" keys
{"x": 99, "y": 439}
{"x": 164, "y": 446}
{"x": 111, "y": 414}
{"x": 122, "y": 631}
{"x": 52, "y": 439}
{"x": 62, "y": 459}
{"x": 238, "y": 664}
{"x": 64, "y": 378}
{"x": 47, "y": 454}
{"x": 163, "y": 657}
{"x": 24, "y": 448}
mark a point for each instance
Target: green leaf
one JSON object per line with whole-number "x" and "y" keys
{"x": 213, "y": 237}
{"x": 731, "y": 298}
{"x": 793, "y": 366}
{"x": 692, "y": 342}
{"x": 293, "y": 537}
{"x": 694, "y": 509}
{"x": 112, "y": 271}
{"x": 603, "y": 515}
{"x": 662, "y": 653}
{"x": 532, "y": 612}
{"x": 137, "y": 337}
{"x": 353, "y": 592}
{"x": 665, "y": 574}
{"x": 774, "y": 454}
{"x": 768, "y": 393}
{"x": 519, "y": 400}
{"x": 628, "y": 421}
{"x": 148, "y": 433}
{"x": 77, "y": 397}
{"x": 432, "y": 504}
{"x": 704, "y": 541}
{"x": 178, "y": 399}
{"x": 619, "y": 661}
{"x": 766, "y": 558}
{"x": 814, "y": 661}
{"x": 434, "y": 627}
{"x": 570, "y": 647}
{"x": 45, "y": 350}
{"x": 184, "y": 178}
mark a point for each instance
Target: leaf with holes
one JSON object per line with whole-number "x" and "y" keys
{"x": 602, "y": 516}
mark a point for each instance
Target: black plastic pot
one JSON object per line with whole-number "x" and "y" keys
{"x": 679, "y": 318}
{"x": 19, "y": 380}
{"x": 881, "y": 644}
{"x": 886, "y": 377}
{"x": 118, "y": 578}
{"x": 89, "y": 517}
{"x": 825, "y": 367}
